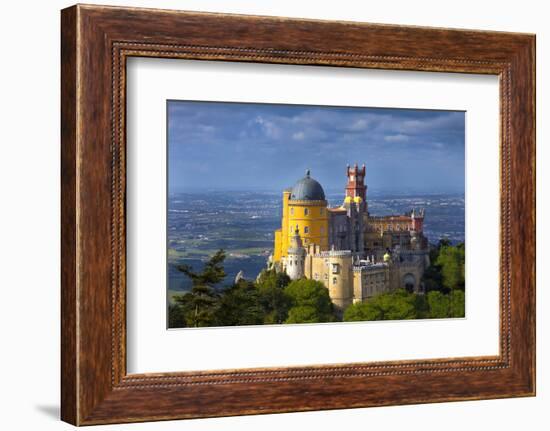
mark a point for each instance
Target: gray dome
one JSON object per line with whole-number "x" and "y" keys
{"x": 307, "y": 189}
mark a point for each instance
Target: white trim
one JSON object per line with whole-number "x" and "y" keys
{"x": 152, "y": 348}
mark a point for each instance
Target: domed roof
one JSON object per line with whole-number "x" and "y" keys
{"x": 307, "y": 189}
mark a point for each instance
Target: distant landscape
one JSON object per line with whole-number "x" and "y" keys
{"x": 242, "y": 224}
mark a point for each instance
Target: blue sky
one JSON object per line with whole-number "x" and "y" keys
{"x": 239, "y": 146}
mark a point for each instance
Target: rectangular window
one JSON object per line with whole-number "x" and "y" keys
{"x": 306, "y": 229}
{"x": 334, "y": 279}
{"x": 335, "y": 268}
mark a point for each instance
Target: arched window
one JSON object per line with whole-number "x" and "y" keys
{"x": 306, "y": 211}
{"x": 292, "y": 211}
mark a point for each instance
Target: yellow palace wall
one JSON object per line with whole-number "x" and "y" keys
{"x": 311, "y": 219}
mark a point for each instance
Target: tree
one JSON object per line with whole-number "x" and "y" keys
{"x": 176, "y": 317}
{"x": 446, "y": 305}
{"x": 304, "y": 314}
{"x": 310, "y": 302}
{"x": 273, "y": 299}
{"x": 199, "y": 305}
{"x": 272, "y": 278}
{"x": 443, "y": 242}
{"x": 440, "y": 305}
{"x": 240, "y": 305}
{"x": 458, "y": 303}
{"x": 432, "y": 277}
{"x": 451, "y": 261}
{"x": 362, "y": 311}
{"x": 446, "y": 271}
{"x": 398, "y": 305}
{"x": 421, "y": 306}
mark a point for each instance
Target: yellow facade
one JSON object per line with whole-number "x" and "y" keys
{"x": 277, "y": 248}
{"x": 309, "y": 217}
{"x": 335, "y": 270}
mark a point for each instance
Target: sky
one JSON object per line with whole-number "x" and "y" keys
{"x": 240, "y": 146}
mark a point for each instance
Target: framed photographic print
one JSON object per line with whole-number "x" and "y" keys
{"x": 267, "y": 215}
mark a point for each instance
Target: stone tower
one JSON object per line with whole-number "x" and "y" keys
{"x": 295, "y": 258}
{"x": 356, "y": 190}
{"x": 355, "y": 204}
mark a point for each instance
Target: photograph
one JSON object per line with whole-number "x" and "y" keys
{"x": 291, "y": 214}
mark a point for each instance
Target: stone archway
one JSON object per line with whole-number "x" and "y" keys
{"x": 409, "y": 282}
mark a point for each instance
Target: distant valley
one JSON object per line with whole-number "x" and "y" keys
{"x": 242, "y": 223}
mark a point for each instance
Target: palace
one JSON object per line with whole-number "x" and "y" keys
{"x": 354, "y": 254}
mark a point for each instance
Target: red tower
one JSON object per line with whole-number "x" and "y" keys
{"x": 356, "y": 182}
{"x": 417, "y": 219}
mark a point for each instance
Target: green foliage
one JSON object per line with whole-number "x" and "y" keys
{"x": 432, "y": 278}
{"x": 451, "y": 261}
{"x": 401, "y": 305}
{"x": 200, "y": 305}
{"x": 176, "y": 317}
{"x": 310, "y": 302}
{"x": 362, "y": 311}
{"x": 440, "y": 304}
{"x": 270, "y": 278}
{"x": 458, "y": 303}
{"x": 240, "y": 305}
{"x": 304, "y": 314}
{"x": 446, "y": 271}
{"x": 273, "y": 299}
{"x": 422, "y": 307}
{"x": 449, "y": 305}
{"x": 398, "y": 305}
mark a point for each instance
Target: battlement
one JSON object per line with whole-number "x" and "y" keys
{"x": 370, "y": 267}
{"x": 334, "y": 253}
{"x": 355, "y": 170}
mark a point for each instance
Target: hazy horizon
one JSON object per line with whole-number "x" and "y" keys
{"x": 327, "y": 191}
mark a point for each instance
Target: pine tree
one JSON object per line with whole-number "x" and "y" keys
{"x": 199, "y": 305}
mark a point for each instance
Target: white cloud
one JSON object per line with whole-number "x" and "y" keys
{"x": 298, "y": 136}
{"x": 396, "y": 138}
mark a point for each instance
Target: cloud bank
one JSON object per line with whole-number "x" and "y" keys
{"x": 268, "y": 147}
